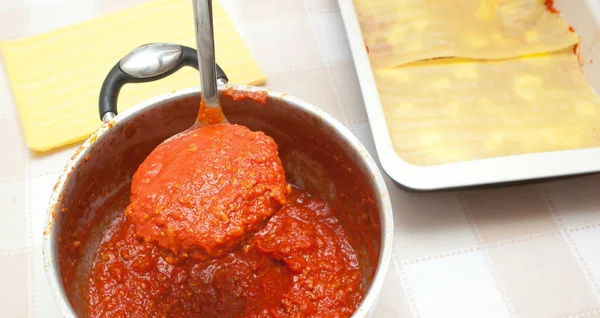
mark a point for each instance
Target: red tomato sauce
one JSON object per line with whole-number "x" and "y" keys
{"x": 210, "y": 116}
{"x": 551, "y": 7}
{"x": 201, "y": 194}
{"x": 300, "y": 264}
{"x": 259, "y": 96}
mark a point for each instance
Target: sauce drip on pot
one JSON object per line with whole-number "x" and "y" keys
{"x": 300, "y": 264}
{"x": 202, "y": 193}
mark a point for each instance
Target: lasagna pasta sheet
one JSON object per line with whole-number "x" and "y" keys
{"x": 397, "y": 32}
{"x": 56, "y": 76}
{"x": 451, "y": 110}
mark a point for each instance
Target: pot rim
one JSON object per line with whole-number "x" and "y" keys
{"x": 51, "y": 266}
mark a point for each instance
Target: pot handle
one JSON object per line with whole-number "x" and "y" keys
{"x": 147, "y": 63}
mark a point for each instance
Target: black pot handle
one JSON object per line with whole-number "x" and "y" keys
{"x": 147, "y": 63}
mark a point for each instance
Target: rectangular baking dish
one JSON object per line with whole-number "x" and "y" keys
{"x": 583, "y": 16}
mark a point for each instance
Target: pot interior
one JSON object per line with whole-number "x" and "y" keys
{"x": 316, "y": 159}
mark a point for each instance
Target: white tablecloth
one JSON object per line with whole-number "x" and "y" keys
{"x": 527, "y": 251}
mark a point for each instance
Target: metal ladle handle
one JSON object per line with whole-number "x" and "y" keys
{"x": 205, "y": 42}
{"x": 147, "y": 63}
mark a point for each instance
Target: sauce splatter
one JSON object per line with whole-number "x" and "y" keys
{"x": 259, "y": 96}
{"x": 551, "y": 7}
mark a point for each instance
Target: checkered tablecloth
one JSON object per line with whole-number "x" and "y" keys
{"x": 526, "y": 251}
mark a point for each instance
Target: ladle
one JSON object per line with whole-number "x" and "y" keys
{"x": 203, "y": 192}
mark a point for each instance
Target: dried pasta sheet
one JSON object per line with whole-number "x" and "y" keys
{"x": 56, "y": 76}
{"x": 402, "y": 31}
{"x": 450, "y": 110}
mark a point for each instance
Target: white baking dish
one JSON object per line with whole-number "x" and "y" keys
{"x": 583, "y": 16}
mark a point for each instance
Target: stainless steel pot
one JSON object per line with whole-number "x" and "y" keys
{"x": 318, "y": 153}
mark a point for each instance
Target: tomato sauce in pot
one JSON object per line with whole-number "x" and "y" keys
{"x": 315, "y": 256}
{"x": 300, "y": 264}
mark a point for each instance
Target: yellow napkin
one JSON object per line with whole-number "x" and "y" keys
{"x": 56, "y": 77}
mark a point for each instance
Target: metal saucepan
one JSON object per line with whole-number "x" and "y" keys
{"x": 319, "y": 154}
